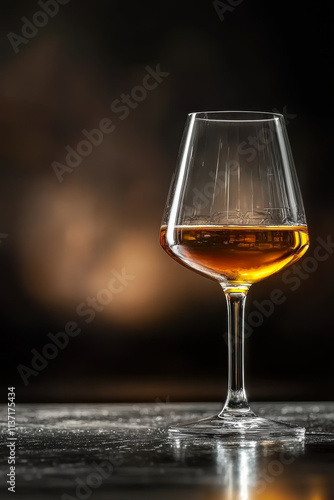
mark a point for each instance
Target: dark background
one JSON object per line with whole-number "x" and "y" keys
{"x": 162, "y": 337}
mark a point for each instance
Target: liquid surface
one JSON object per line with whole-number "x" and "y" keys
{"x": 236, "y": 255}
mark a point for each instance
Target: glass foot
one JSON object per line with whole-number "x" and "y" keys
{"x": 240, "y": 427}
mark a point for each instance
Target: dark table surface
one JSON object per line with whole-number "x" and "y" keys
{"x": 123, "y": 452}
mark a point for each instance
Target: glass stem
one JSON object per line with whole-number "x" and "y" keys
{"x": 236, "y": 401}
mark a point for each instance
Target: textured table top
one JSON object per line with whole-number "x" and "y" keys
{"x": 124, "y": 452}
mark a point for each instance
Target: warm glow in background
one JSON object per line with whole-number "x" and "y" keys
{"x": 162, "y": 337}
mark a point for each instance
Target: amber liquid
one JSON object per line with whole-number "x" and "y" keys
{"x": 236, "y": 255}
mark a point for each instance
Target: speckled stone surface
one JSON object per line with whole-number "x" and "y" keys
{"x": 124, "y": 452}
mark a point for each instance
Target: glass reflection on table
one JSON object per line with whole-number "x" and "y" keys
{"x": 249, "y": 470}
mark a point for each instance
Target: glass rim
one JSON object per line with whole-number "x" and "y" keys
{"x": 235, "y": 116}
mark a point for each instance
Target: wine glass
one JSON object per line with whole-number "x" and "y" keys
{"x": 234, "y": 213}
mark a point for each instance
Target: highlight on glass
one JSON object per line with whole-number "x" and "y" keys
{"x": 235, "y": 214}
